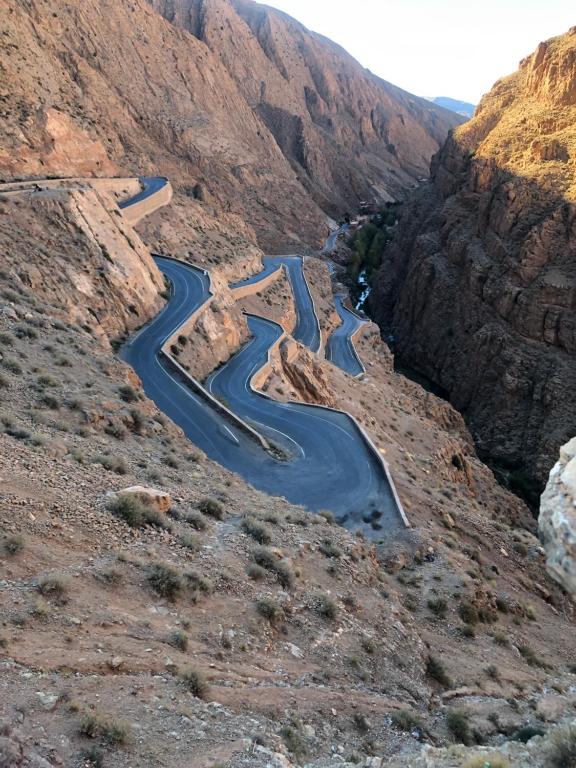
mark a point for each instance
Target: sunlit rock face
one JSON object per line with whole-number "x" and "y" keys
{"x": 558, "y": 519}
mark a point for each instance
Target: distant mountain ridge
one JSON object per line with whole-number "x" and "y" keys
{"x": 463, "y": 108}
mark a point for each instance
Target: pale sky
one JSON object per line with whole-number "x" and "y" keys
{"x": 453, "y": 48}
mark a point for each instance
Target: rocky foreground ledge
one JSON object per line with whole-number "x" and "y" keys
{"x": 558, "y": 518}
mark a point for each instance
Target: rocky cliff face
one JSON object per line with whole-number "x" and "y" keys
{"x": 347, "y": 134}
{"x": 247, "y": 113}
{"x": 74, "y": 247}
{"x": 557, "y": 519}
{"x": 479, "y": 287}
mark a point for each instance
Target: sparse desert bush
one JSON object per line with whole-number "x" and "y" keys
{"x": 116, "y": 429}
{"x": 265, "y": 558}
{"x": 361, "y": 722}
{"x": 194, "y": 681}
{"x": 257, "y": 530}
{"x": 165, "y": 580}
{"x": 110, "y": 576}
{"x": 7, "y": 339}
{"x": 294, "y": 740}
{"x": 561, "y": 748}
{"x": 54, "y": 586}
{"x": 327, "y": 515}
{"x": 189, "y": 541}
{"x": 492, "y": 671}
{"x": 406, "y": 720}
{"x": 13, "y": 544}
{"x": 12, "y": 365}
{"x": 368, "y": 645}
{"x": 501, "y": 638}
{"x": 458, "y": 723}
{"x": 4, "y": 383}
{"x": 527, "y": 732}
{"x": 330, "y": 549}
{"x": 18, "y": 433}
{"x": 115, "y": 464}
{"x": 256, "y": 572}
{"x": 128, "y": 393}
{"x": 196, "y": 521}
{"x": 179, "y": 639}
{"x": 435, "y": 670}
{"x": 326, "y": 607}
{"x": 439, "y": 607}
{"x": 531, "y": 657}
{"x": 198, "y": 583}
{"x": 269, "y": 609}
{"x": 112, "y": 730}
{"x": 212, "y": 508}
{"x": 40, "y": 610}
{"x": 468, "y": 613}
{"x": 137, "y": 514}
{"x": 46, "y": 380}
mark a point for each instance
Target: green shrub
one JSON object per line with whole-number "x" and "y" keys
{"x": 212, "y": 508}
{"x": 326, "y": 607}
{"x": 468, "y": 613}
{"x": 137, "y": 514}
{"x": 128, "y": 394}
{"x": 435, "y": 670}
{"x": 527, "y": 732}
{"x": 269, "y": 609}
{"x": 12, "y": 365}
{"x": 330, "y": 549}
{"x": 115, "y": 464}
{"x": 257, "y": 530}
{"x": 256, "y": 572}
{"x": 406, "y": 720}
{"x": 294, "y": 740}
{"x": 561, "y": 748}
{"x": 54, "y": 586}
{"x": 501, "y": 638}
{"x": 198, "y": 583}
{"x": 179, "y": 639}
{"x": 113, "y": 730}
{"x": 194, "y": 681}
{"x": 439, "y": 607}
{"x": 13, "y": 544}
{"x": 196, "y": 521}
{"x": 531, "y": 657}
{"x": 265, "y": 558}
{"x": 458, "y": 723}
{"x": 165, "y": 580}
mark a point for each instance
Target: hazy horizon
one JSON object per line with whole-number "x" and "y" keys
{"x": 436, "y": 49}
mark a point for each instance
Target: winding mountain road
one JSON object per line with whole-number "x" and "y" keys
{"x": 151, "y": 184}
{"x": 340, "y": 348}
{"x": 328, "y": 463}
{"x": 307, "y": 329}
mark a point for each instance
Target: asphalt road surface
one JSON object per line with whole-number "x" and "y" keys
{"x": 329, "y": 465}
{"x": 340, "y": 348}
{"x": 152, "y": 184}
{"x": 307, "y": 330}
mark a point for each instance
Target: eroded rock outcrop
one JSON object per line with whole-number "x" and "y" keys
{"x": 221, "y": 101}
{"x": 479, "y": 287}
{"x": 557, "y": 519}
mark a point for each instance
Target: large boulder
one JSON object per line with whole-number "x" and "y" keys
{"x": 159, "y": 500}
{"x": 558, "y": 519}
